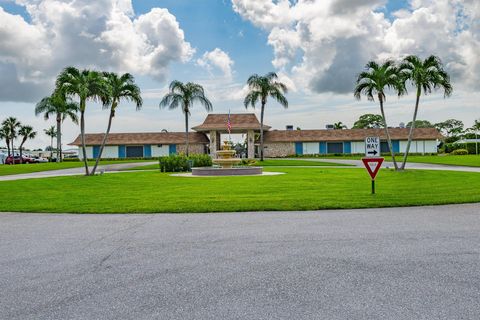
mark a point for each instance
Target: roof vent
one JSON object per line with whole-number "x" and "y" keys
{"x": 329, "y": 127}
{"x": 401, "y": 125}
{"x": 289, "y": 127}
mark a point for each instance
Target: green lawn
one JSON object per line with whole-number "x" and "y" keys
{"x": 298, "y": 189}
{"x": 265, "y": 163}
{"x": 37, "y": 167}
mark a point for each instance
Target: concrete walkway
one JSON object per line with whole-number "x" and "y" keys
{"x": 109, "y": 168}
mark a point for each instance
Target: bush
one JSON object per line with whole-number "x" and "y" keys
{"x": 459, "y": 152}
{"x": 182, "y": 163}
{"x": 470, "y": 147}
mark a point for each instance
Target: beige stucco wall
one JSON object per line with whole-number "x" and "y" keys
{"x": 193, "y": 148}
{"x": 279, "y": 149}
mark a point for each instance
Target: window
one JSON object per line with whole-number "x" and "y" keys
{"x": 384, "y": 147}
{"x": 134, "y": 151}
{"x": 335, "y": 147}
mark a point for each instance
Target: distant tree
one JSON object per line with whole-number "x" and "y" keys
{"x": 369, "y": 121}
{"x": 11, "y": 125}
{"x": 52, "y": 133}
{"x": 25, "y": 132}
{"x": 373, "y": 82}
{"x": 421, "y": 124}
{"x": 450, "y": 127}
{"x": 259, "y": 89}
{"x": 118, "y": 88}
{"x": 5, "y": 135}
{"x": 61, "y": 107}
{"x": 184, "y": 95}
{"x": 425, "y": 76}
{"x": 339, "y": 126}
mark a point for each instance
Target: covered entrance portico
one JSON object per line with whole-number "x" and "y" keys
{"x": 243, "y": 123}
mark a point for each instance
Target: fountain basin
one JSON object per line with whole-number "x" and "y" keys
{"x": 235, "y": 171}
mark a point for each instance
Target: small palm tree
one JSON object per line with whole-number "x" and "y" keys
{"x": 339, "y": 126}
{"x": 25, "y": 132}
{"x": 86, "y": 85}
{"x": 11, "y": 125}
{"x": 5, "y": 135}
{"x": 52, "y": 133}
{"x": 118, "y": 88}
{"x": 183, "y": 95}
{"x": 260, "y": 88}
{"x": 373, "y": 82}
{"x": 61, "y": 107}
{"x": 424, "y": 75}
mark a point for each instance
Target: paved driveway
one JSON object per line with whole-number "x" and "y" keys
{"x": 398, "y": 263}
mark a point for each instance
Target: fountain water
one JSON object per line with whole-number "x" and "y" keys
{"x": 226, "y": 161}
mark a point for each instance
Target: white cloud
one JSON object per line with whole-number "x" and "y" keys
{"x": 217, "y": 59}
{"x": 99, "y": 34}
{"x": 323, "y": 44}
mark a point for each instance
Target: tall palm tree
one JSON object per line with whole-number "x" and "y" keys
{"x": 260, "y": 88}
{"x": 52, "y": 133}
{"x": 424, "y": 75}
{"x": 86, "y": 85}
{"x": 118, "y": 88}
{"x": 11, "y": 124}
{"x": 4, "y": 134}
{"x": 26, "y": 132}
{"x": 339, "y": 126}
{"x": 373, "y": 82}
{"x": 61, "y": 107}
{"x": 183, "y": 95}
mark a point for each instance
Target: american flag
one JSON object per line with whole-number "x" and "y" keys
{"x": 229, "y": 124}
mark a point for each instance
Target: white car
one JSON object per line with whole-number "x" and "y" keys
{"x": 39, "y": 160}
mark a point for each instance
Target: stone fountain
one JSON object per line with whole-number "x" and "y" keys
{"x": 226, "y": 160}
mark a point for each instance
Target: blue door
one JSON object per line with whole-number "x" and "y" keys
{"x": 396, "y": 146}
{"x": 298, "y": 148}
{"x": 172, "y": 149}
{"x": 147, "y": 151}
{"x": 121, "y": 152}
{"x": 96, "y": 151}
{"x": 323, "y": 147}
{"x": 347, "y": 147}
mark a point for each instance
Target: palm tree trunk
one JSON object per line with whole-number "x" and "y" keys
{"x": 82, "y": 135}
{"x": 387, "y": 133}
{"x": 8, "y": 146}
{"x": 13, "y": 150}
{"x": 51, "y": 148}
{"x": 21, "y": 153}
{"x": 59, "y": 138}
{"x": 112, "y": 114}
{"x": 186, "y": 133}
{"x": 412, "y": 128}
{"x": 262, "y": 112}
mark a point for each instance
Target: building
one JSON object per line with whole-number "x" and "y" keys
{"x": 278, "y": 143}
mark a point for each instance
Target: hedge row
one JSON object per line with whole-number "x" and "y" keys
{"x": 182, "y": 163}
{"x": 470, "y": 147}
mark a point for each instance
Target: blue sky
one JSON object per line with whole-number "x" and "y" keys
{"x": 317, "y": 47}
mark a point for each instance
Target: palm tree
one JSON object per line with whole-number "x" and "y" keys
{"x": 119, "y": 88}
{"x": 86, "y": 85}
{"x": 183, "y": 95}
{"x": 4, "y": 134}
{"x": 26, "y": 132}
{"x": 339, "y": 126}
{"x": 424, "y": 75}
{"x": 11, "y": 124}
{"x": 61, "y": 107}
{"x": 373, "y": 82}
{"x": 52, "y": 133}
{"x": 260, "y": 88}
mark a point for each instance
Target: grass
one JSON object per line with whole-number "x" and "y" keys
{"x": 298, "y": 189}
{"x": 265, "y": 163}
{"x": 37, "y": 167}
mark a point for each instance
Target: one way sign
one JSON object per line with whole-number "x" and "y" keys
{"x": 372, "y": 146}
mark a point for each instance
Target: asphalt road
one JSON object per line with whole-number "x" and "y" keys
{"x": 399, "y": 263}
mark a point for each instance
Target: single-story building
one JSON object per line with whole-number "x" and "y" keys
{"x": 278, "y": 143}
{"x": 141, "y": 145}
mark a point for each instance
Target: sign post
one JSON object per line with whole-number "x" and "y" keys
{"x": 372, "y": 162}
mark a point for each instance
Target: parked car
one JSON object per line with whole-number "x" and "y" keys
{"x": 37, "y": 159}
{"x": 16, "y": 160}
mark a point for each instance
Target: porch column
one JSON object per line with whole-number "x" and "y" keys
{"x": 251, "y": 144}
{"x": 213, "y": 143}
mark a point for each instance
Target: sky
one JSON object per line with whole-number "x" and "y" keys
{"x": 317, "y": 47}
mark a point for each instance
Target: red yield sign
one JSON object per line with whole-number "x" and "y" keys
{"x": 372, "y": 165}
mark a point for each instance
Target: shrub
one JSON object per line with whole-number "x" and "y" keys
{"x": 459, "y": 152}
{"x": 182, "y": 163}
{"x": 470, "y": 147}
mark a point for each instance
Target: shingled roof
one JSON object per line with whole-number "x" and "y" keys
{"x": 142, "y": 138}
{"x": 349, "y": 135}
{"x": 239, "y": 122}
